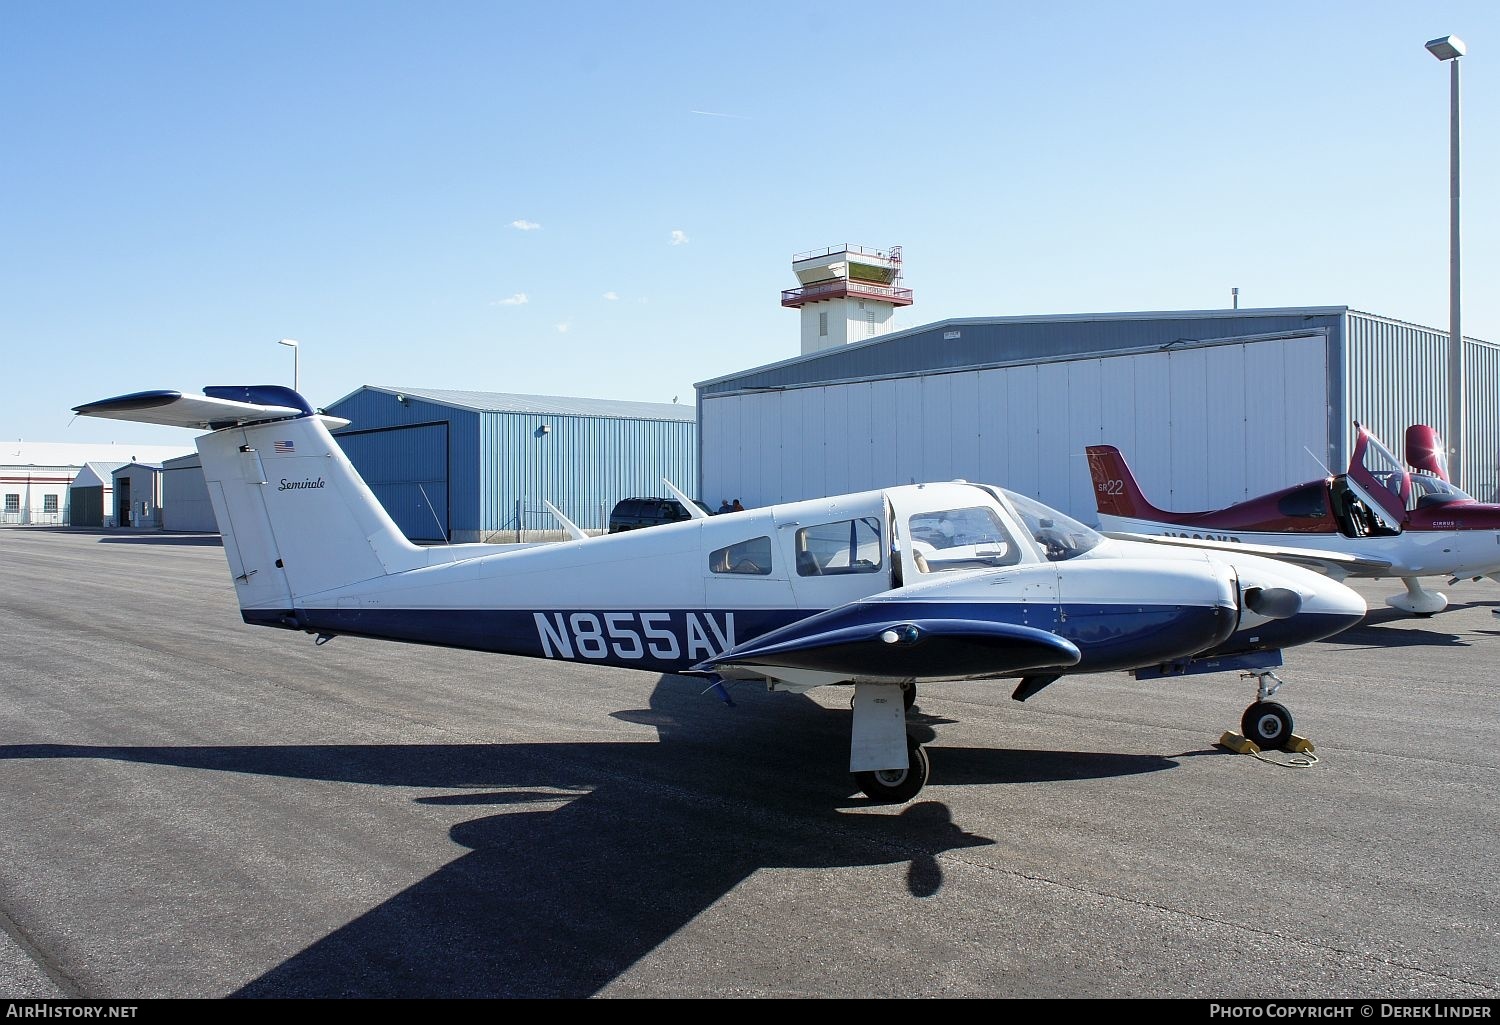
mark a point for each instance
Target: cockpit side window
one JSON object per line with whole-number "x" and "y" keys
{"x": 1304, "y": 502}
{"x": 840, "y": 547}
{"x": 946, "y": 539}
{"x": 750, "y": 557}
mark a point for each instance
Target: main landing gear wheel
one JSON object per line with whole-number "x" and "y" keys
{"x": 908, "y": 695}
{"x": 897, "y": 786}
{"x": 1268, "y": 724}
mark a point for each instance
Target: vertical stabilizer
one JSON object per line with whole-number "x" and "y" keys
{"x": 296, "y": 516}
{"x": 1115, "y": 490}
{"x": 297, "y": 519}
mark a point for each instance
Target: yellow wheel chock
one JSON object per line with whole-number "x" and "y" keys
{"x": 1295, "y": 745}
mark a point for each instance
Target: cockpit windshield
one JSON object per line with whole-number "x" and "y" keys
{"x": 1060, "y": 537}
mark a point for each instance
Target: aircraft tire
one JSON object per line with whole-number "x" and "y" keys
{"x": 897, "y": 786}
{"x": 1268, "y": 724}
{"x": 909, "y": 695}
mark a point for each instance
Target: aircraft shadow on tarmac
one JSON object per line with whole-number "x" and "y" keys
{"x": 181, "y": 540}
{"x": 1392, "y": 628}
{"x": 556, "y": 901}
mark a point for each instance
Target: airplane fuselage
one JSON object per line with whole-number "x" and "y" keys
{"x": 1453, "y": 544}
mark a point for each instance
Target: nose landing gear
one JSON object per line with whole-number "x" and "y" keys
{"x": 1266, "y": 722}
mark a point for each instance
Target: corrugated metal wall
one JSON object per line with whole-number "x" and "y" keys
{"x": 408, "y": 470}
{"x": 1202, "y": 426}
{"x": 1398, "y": 376}
{"x": 402, "y": 463}
{"x": 1482, "y": 461}
{"x": 581, "y": 464}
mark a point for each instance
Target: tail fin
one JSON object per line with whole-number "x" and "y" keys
{"x": 297, "y": 519}
{"x": 1115, "y": 490}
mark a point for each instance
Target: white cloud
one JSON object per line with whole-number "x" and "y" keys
{"x": 519, "y": 299}
{"x": 679, "y": 238}
{"x": 611, "y": 296}
{"x": 562, "y": 328}
{"x": 525, "y": 225}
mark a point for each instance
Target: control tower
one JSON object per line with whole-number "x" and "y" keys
{"x": 848, "y": 293}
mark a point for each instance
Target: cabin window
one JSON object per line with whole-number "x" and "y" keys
{"x": 961, "y": 539}
{"x": 49, "y": 503}
{"x": 1306, "y": 502}
{"x": 751, "y": 557}
{"x": 845, "y": 546}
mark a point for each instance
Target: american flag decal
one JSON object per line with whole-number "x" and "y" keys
{"x": 284, "y": 448}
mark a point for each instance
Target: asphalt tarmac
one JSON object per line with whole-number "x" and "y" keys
{"x": 193, "y": 807}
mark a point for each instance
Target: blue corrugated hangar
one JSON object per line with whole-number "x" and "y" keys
{"x": 478, "y": 466}
{"x": 1208, "y": 407}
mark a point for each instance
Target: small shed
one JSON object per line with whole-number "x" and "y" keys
{"x": 138, "y": 495}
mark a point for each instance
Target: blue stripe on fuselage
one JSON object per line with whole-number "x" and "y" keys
{"x": 1111, "y": 637}
{"x": 660, "y": 640}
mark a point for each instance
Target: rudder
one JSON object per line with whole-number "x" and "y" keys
{"x": 1115, "y": 490}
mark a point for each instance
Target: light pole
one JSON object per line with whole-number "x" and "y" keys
{"x": 296, "y": 357}
{"x": 1450, "y": 49}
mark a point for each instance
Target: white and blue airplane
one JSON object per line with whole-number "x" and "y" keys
{"x": 880, "y": 591}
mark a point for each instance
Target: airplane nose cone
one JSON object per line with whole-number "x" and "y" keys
{"x": 1282, "y": 606}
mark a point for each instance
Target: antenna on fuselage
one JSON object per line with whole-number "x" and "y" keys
{"x": 1326, "y": 471}
{"x": 568, "y": 525}
{"x": 693, "y": 508}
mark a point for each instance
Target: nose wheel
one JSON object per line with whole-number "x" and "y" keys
{"x": 897, "y": 786}
{"x": 1267, "y": 722}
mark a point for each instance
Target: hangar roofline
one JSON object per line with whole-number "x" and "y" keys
{"x": 1061, "y": 318}
{"x": 550, "y": 405}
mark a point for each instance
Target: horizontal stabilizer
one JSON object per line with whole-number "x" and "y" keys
{"x": 932, "y": 649}
{"x": 215, "y": 409}
{"x": 1332, "y": 563}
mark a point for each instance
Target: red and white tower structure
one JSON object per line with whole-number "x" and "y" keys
{"x": 848, "y": 293}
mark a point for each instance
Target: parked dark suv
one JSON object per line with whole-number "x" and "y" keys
{"x": 631, "y": 513}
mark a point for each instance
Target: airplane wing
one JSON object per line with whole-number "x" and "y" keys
{"x": 1335, "y": 564}
{"x": 899, "y": 650}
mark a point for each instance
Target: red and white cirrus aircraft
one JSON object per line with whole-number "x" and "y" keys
{"x": 1381, "y": 518}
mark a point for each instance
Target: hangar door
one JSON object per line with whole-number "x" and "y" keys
{"x": 408, "y": 469}
{"x": 86, "y": 507}
{"x": 1201, "y": 426}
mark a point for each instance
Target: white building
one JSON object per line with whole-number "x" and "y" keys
{"x": 185, "y": 504}
{"x": 36, "y": 477}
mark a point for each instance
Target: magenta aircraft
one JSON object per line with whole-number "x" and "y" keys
{"x": 879, "y": 591}
{"x": 1379, "y": 519}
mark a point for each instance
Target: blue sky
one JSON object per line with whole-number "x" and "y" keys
{"x": 184, "y": 183}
